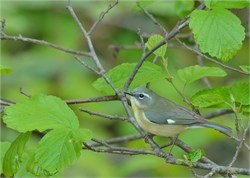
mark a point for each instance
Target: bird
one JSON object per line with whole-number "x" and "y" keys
{"x": 160, "y": 116}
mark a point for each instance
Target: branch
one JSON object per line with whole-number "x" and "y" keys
{"x": 123, "y": 139}
{"x": 101, "y": 72}
{"x": 152, "y": 18}
{"x": 93, "y": 55}
{"x": 4, "y": 102}
{"x": 102, "y": 16}
{"x": 211, "y": 59}
{"x": 111, "y": 117}
{"x": 91, "y": 100}
{"x": 89, "y": 42}
{"x": 217, "y": 113}
{"x": 42, "y": 42}
{"x": 180, "y": 25}
{"x": 240, "y": 145}
{"x": 170, "y": 159}
{"x": 86, "y": 65}
{"x": 205, "y": 80}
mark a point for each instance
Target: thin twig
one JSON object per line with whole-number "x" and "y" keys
{"x": 4, "y": 102}
{"x": 86, "y": 65}
{"x": 44, "y": 43}
{"x": 117, "y": 149}
{"x": 217, "y": 113}
{"x": 93, "y": 55}
{"x": 91, "y": 100}
{"x": 122, "y": 139}
{"x": 212, "y": 60}
{"x": 102, "y": 16}
{"x": 181, "y": 24}
{"x": 240, "y": 145}
{"x": 210, "y": 174}
{"x": 22, "y": 91}
{"x": 89, "y": 42}
{"x": 111, "y": 117}
{"x": 152, "y": 18}
{"x": 204, "y": 79}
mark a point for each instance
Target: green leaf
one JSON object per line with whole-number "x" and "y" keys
{"x": 13, "y": 156}
{"x": 58, "y": 149}
{"x": 216, "y": 97}
{"x": 84, "y": 134}
{"x": 218, "y": 32}
{"x": 229, "y": 4}
{"x": 120, "y": 74}
{"x": 245, "y": 68}
{"x": 4, "y": 147}
{"x": 36, "y": 170}
{"x": 22, "y": 171}
{"x": 153, "y": 41}
{"x": 40, "y": 113}
{"x": 192, "y": 73}
{"x": 5, "y": 70}
{"x": 183, "y": 7}
{"x": 196, "y": 155}
{"x": 240, "y": 92}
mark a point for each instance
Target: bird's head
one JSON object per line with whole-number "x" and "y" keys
{"x": 142, "y": 97}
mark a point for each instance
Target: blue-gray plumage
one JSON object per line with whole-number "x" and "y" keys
{"x": 159, "y": 116}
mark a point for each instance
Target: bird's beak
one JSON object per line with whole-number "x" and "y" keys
{"x": 128, "y": 93}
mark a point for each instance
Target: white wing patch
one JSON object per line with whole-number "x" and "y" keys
{"x": 170, "y": 121}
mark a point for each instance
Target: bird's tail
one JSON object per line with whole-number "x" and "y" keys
{"x": 223, "y": 129}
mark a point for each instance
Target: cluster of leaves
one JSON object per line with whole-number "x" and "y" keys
{"x": 59, "y": 147}
{"x": 217, "y": 31}
{"x": 235, "y": 97}
{"x": 193, "y": 157}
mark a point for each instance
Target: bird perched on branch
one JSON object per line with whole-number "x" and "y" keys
{"x": 159, "y": 116}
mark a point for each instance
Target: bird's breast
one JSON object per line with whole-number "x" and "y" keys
{"x": 154, "y": 128}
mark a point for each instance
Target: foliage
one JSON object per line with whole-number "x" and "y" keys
{"x": 224, "y": 96}
{"x": 120, "y": 74}
{"x": 51, "y": 136}
{"x": 193, "y": 157}
{"x": 192, "y": 73}
{"x": 48, "y": 112}
{"x": 226, "y": 4}
{"x": 152, "y": 42}
{"x": 218, "y": 32}
{"x": 58, "y": 148}
{"x": 13, "y": 156}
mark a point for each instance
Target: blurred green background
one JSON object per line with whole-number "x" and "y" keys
{"x": 41, "y": 69}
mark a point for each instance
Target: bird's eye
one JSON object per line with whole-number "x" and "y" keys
{"x": 141, "y": 96}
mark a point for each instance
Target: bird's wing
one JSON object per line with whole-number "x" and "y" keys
{"x": 166, "y": 112}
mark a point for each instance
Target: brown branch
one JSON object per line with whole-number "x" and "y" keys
{"x": 101, "y": 72}
{"x": 111, "y": 117}
{"x": 85, "y": 64}
{"x": 211, "y": 59}
{"x": 122, "y": 139}
{"x": 4, "y": 102}
{"x": 180, "y": 25}
{"x": 207, "y": 165}
{"x": 43, "y": 43}
{"x": 240, "y": 145}
{"x": 102, "y": 16}
{"x": 217, "y": 113}
{"x": 91, "y": 100}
